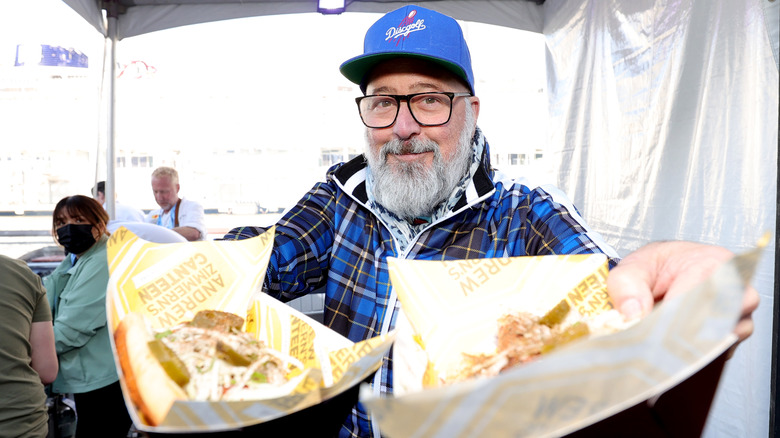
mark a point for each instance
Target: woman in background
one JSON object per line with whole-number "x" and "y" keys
{"x": 77, "y": 294}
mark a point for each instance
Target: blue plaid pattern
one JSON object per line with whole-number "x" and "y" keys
{"x": 331, "y": 238}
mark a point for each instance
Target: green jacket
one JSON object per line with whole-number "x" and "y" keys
{"x": 77, "y": 296}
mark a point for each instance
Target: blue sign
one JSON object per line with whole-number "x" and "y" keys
{"x": 47, "y": 55}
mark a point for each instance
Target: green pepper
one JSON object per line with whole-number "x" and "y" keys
{"x": 164, "y": 334}
{"x": 259, "y": 377}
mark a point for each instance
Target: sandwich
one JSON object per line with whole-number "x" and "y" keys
{"x": 522, "y": 337}
{"x": 206, "y": 359}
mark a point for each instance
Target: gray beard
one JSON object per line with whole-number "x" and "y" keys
{"x": 410, "y": 190}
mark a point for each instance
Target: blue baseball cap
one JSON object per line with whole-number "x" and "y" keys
{"x": 412, "y": 32}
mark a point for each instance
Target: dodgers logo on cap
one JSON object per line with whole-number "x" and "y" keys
{"x": 405, "y": 27}
{"x": 417, "y": 32}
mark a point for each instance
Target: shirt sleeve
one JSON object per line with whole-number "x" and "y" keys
{"x": 302, "y": 244}
{"x": 81, "y": 310}
{"x": 555, "y": 226}
{"x": 241, "y": 233}
{"x": 42, "y": 309}
{"x": 193, "y": 215}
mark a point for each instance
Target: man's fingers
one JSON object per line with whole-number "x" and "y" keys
{"x": 664, "y": 269}
{"x": 631, "y": 283}
{"x": 630, "y": 287}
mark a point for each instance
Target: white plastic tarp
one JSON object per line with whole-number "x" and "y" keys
{"x": 663, "y": 122}
{"x": 663, "y": 125}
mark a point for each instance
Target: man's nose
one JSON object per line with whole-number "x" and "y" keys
{"x": 405, "y": 126}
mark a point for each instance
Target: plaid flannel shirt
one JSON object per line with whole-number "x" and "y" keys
{"x": 331, "y": 238}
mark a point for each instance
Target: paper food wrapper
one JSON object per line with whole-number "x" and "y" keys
{"x": 171, "y": 282}
{"x": 453, "y": 306}
{"x": 450, "y": 307}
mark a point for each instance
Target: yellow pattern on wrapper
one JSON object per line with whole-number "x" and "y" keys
{"x": 170, "y": 282}
{"x": 350, "y": 363}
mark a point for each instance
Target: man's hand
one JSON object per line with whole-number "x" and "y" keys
{"x": 665, "y": 269}
{"x": 189, "y": 233}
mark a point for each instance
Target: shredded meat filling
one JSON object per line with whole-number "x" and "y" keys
{"x": 224, "y": 363}
{"x": 521, "y": 338}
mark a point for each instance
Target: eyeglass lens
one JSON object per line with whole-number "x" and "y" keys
{"x": 427, "y": 109}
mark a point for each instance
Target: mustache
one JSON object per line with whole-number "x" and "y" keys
{"x": 415, "y": 146}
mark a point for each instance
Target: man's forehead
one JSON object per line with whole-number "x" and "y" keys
{"x": 162, "y": 181}
{"x": 413, "y": 67}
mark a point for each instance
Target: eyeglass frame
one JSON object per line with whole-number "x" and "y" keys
{"x": 407, "y": 97}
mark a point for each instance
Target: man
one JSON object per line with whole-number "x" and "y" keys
{"x": 135, "y": 220}
{"x": 184, "y": 216}
{"x": 425, "y": 189}
{"x": 124, "y": 213}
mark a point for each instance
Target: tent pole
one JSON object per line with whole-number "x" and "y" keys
{"x": 774, "y": 390}
{"x": 110, "y": 135}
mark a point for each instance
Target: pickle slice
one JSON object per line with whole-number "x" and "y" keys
{"x": 217, "y": 320}
{"x": 232, "y": 356}
{"x": 172, "y": 364}
{"x": 571, "y": 333}
{"x": 556, "y": 315}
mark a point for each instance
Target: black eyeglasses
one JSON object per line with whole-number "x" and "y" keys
{"x": 427, "y": 109}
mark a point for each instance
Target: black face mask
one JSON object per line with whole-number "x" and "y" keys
{"x": 76, "y": 238}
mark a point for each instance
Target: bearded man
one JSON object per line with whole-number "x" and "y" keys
{"x": 425, "y": 189}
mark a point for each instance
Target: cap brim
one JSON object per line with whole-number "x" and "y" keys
{"x": 357, "y": 68}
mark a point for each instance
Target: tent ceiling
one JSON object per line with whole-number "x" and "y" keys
{"x": 137, "y": 17}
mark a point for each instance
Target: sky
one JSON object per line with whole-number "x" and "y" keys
{"x": 44, "y": 22}
{"x": 239, "y": 80}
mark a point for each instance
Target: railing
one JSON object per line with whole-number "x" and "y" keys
{"x": 44, "y": 256}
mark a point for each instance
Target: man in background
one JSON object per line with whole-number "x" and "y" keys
{"x": 184, "y": 216}
{"x": 124, "y": 213}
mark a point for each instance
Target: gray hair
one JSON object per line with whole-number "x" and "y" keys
{"x": 170, "y": 172}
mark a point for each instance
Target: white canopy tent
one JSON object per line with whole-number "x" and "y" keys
{"x": 663, "y": 122}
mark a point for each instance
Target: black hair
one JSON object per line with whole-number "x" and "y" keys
{"x": 100, "y": 187}
{"x": 83, "y": 206}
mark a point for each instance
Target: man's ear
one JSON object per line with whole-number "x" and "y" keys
{"x": 474, "y": 101}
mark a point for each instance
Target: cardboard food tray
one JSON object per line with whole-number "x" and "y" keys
{"x": 170, "y": 282}
{"x": 618, "y": 383}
